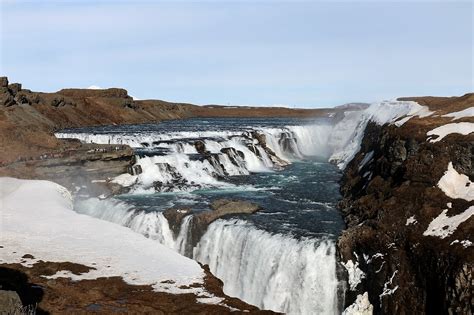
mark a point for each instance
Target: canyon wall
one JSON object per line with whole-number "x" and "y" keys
{"x": 409, "y": 232}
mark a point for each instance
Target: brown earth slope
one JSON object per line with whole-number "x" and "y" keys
{"x": 29, "y": 119}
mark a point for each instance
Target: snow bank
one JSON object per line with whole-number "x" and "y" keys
{"x": 464, "y": 243}
{"x": 463, "y": 128}
{"x": 456, "y": 185}
{"x": 37, "y": 219}
{"x": 468, "y": 112}
{"x": 355, "y": 274}
{"x": 411, "y": 220}
{"x": 361, "y": 306}
{"x": 443, "y": 226}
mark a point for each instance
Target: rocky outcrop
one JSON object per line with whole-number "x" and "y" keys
{"x": 83, "y": 168}
{"x": 200, "y": 221}
{"x": 200, "y": 147}
{"x": 175, "y": 218}
{"x": 391, "y": 196}
{"x": 261, "y": 140}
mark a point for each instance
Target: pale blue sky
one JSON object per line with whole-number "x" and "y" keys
{"x": 303, "y": 54}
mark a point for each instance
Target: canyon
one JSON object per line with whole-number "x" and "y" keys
{"x": 390, "y": 186}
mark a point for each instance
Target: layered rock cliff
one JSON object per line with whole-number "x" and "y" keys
{"x": 408, "y": 205}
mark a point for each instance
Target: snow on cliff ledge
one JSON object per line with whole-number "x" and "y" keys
{"x": 456, "y": 185}
{"x": 346, "y": 135}
{"x": 37, "y": 218}
{"x": 463, "y": 128}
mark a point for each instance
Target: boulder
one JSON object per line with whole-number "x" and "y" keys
{"x": 200, "y": 147}
{"x": 260, "y": 137}
{"x": 14, "y": 88}
{"x": 3, "y": 82}
{"x": 23, "y": 98}
{"x": 6, "y": 98}
{"x": 58, "y": 101}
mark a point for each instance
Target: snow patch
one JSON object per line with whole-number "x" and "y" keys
{"x": 455, "y": 185}
{"x": 361, "y": 306}
{"x": 210, "y": 300}
{"x": 38, "y": 219}
{"x": 125, "y": 180}
{"x": 386, "y": 290}
{"x": 468, "y": 112}
{"x": 355, "y": 274}
{"x": 464, "y": 243}
{"x": 368, "y": 259}
{"x": 416, "y": 110}
{"x": 411, "y": 220}
{"x": 463, "y": 128}
{"x": 443, "y": 226}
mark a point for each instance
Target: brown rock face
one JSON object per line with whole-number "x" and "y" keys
{"x": 388, "y": 204}
{"x": 3, "y": 82}
{"x": 106, "y": 93}
{"x": 14, "y": 88}
{"x": 175, "y": 217}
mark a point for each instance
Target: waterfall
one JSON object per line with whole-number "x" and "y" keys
{"x": 270, "y": 271}
{"x": 150, "y": 224}
{"x": 273, "y": 272}
{"x": 182, "y": 243}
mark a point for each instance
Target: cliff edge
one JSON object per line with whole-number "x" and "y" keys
{"x": 408, "y": 201}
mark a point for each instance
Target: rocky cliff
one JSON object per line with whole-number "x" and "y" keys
{"x": 408, "y": 205}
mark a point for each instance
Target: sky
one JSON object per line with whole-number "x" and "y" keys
{"x": 292, "y": 53}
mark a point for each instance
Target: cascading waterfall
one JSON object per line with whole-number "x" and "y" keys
{"x": 182, "y": 243}
{"x": 270, "y": 270}
{"x": 152, "y": 224}
{"x": 273, "y": 272}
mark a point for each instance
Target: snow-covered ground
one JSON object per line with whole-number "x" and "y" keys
{"x": 443, "y": 226}
{"x": 37, "y": 218}
{"x": 463, "y": 128}
{"x": 456, "y": 185}
{"x": 361, "y": 306}
{"x": 468, "y": 112}
{"x": 355, "y": 274}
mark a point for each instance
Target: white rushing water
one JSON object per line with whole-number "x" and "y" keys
{"x": 273, "y": 272}
{"x": 152, "y": 225}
